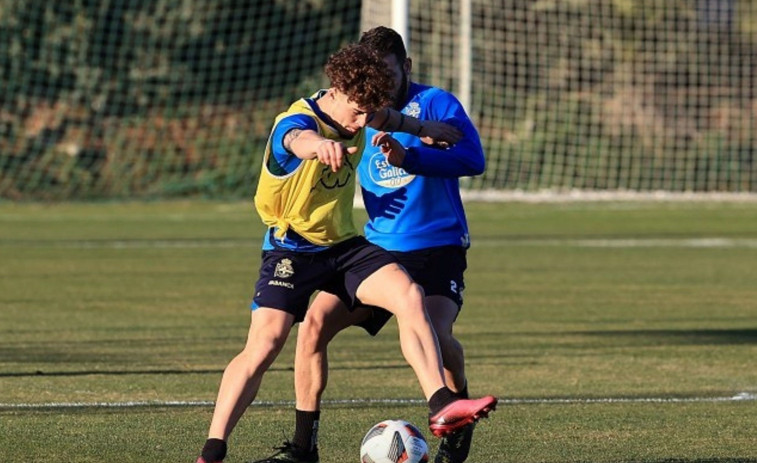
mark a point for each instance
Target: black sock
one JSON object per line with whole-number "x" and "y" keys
{"x": 214, "y": 450}
{"x": 441, "y": 399}
{"x": 306, "y": 429}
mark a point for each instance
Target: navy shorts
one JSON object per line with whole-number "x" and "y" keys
{"x": 288, "y": 278}
{"x": 439, "y": 271}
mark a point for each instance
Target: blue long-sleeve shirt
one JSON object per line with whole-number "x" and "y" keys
{"x": 418, "y": 206}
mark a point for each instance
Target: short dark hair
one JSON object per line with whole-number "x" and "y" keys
{"x": 386, "y": 41}
{"x": 361, "y": 73}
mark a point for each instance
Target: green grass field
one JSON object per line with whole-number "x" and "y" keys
{"x": 612, "y": 332}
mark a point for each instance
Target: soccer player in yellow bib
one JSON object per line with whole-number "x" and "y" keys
{"x": 305, "y": 195}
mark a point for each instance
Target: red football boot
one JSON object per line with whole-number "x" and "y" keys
{"x": 460, "y": 413}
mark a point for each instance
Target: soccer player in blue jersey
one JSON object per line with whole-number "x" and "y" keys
{"x": 304, "y": 195}
{"x": 411, "y": 193}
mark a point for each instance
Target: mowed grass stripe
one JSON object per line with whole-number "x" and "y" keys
{"x": 704, "y": 242}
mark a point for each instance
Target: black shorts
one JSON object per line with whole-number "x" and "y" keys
{"x": 439, "y": 271}
{"x": 288, "y": 278}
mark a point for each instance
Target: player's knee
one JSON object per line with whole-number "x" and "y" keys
{"x": 309, "y": 335}
{"x": 411, "y": 304}
{"x": 263, "y": 350}
{"x": 415, "y": 294}
{"x": 256, "y": 362}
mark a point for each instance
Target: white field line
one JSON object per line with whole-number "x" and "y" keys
{"x": 154, "y": 244}
{"x": 712, "y": 242}
{"x": 573, "y": 196}
{"x": 740, "y": 397}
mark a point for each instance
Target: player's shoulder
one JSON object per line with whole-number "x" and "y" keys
{"x": 291, "y": 120}
{"x": 304, "y": 113}
{"x": 427, "y": 91}
{"x": 428, "y": 95}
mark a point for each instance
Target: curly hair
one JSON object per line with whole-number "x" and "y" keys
{"x": 360, "y": 73}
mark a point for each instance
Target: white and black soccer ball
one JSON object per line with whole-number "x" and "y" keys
{"x": 394, "y": 441}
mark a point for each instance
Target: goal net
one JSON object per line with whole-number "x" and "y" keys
{"x": 171, "y": 98}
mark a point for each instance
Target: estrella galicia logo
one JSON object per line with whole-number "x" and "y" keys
{"x": 386, "y": 175}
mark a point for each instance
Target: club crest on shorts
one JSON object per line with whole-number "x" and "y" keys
{"x": 284, "y": 269}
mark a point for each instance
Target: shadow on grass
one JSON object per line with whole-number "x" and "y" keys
{"x": 680, "y": 337}
{"x": 622, "y": 337}
{"x": 614, "y": 337}
{"x": 197, "y": 371}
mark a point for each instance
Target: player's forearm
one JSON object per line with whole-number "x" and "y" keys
{"x": 303, "y": 143}
{"x": 390, "y": 120}
{"x": 462, "y": 160}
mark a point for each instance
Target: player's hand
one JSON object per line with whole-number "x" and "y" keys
{"x": 439, "y": 134}
{"x": 390, "y": 148}
{"x": 387, "y": 205}
{"x": 332, "y": 153}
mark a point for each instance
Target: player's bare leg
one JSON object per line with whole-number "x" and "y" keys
{"x": 420, "y": 347}
{"x": 268, "y": 332}
{"x": 326, "y": 316}
{"x": 391, "y": 288}
{"x": 443, "y": 312}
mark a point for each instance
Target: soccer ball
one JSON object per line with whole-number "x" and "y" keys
{"x": 394, "y": 441}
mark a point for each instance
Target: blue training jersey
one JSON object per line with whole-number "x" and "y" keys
{"x": 418, "y": 205}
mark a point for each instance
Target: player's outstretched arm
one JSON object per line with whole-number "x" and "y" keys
{"x": 308, "y": 144}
